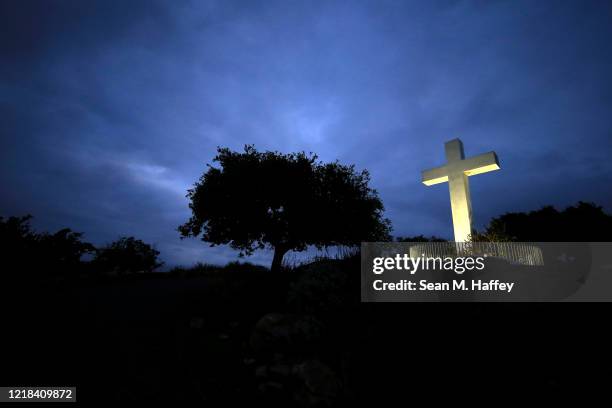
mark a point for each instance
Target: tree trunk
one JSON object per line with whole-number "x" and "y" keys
{"x": 277, "y": 261}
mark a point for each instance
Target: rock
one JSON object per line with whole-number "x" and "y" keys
{"x": 283, "y": 346}
{"x": 324, "y": 286}
{"x": 319, "y": 380}
{"x": 261, "y": 371}
{"x": 270, "y": 386}
{"x": 196, "y": 323}
{"x": 277, "y": 332}
{"x": 281, "y": 369}
{"x": 308, "y": 383}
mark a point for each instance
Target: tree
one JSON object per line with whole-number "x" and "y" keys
{"x": 16, "y": 236}
{"x": 285, "y": 202}
{"x": 127, "y": 255}
{"x": 17, "y": 245}
{"x": 62, "y": 252}
{"x": 584, "y": 222}
{"x": 41, "y": 254}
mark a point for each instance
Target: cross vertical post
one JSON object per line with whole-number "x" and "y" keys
{"x": 459, "y": 189}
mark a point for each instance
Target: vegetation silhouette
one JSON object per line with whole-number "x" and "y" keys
{"x": 127, "y": 255}
{"x": 44, "y": 255}
{"x": 286, "y": 202}
{"x": 583, "y": 222}
{"x": 41, "y": 254}
{"x": 239, "y": 334}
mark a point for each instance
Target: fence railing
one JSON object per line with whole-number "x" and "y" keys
{"x": 521, "y": 253}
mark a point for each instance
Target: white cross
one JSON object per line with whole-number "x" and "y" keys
{"x": 456, "y": 172}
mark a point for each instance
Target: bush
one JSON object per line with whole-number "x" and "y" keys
{"x": 326, "y": 286}
{"x": 127, "y": 255}
{"x": 43, "y": 255}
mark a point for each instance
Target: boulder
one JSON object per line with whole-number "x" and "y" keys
{"x": 285, "y": 333}
{"x": 321, "y": 385}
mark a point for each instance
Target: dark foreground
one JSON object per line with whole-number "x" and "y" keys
{"x": 302, "y": 338}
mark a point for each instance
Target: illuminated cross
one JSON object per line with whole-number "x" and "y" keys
{"x": 456, "y": 172}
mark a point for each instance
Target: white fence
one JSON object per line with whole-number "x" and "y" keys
{"x": 520, "y": 253}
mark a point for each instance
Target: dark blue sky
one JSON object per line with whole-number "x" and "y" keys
{"x": 111, "y": 109}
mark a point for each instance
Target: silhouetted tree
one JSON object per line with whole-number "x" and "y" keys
{"x": 41, "y": 254}
{"x": 62, "y": 251}
{"x": 127, "y": 255}
{"x": 284, "y": 201}
{"x": 584, "y": 222}
{"x": 17, "y": 241}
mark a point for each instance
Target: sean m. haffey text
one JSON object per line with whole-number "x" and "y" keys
{"x": 403, "y": 262}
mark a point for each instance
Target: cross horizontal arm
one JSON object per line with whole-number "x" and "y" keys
{"x": 483, "y": 163}
{"x": 435, "y": 176}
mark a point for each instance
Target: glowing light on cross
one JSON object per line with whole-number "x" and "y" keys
{"x": 456, "y": 172}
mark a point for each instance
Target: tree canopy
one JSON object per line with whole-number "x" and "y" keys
{"x": 41, "y": 254}
{"x": 127, "y": 255}
{"x": 286, "y": 202}
{"x": 583, "y": 222}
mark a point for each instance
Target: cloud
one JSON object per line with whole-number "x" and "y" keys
{"x": 112, "y": 109}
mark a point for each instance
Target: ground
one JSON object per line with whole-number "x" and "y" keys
{"x": 299, "y": 338}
